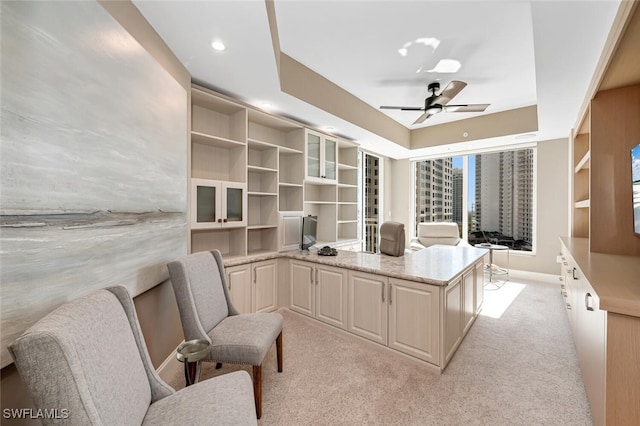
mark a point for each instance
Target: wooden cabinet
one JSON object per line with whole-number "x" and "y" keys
{"x": 217, "y": 204}
{"x": 403, "y": 315}
{"x": 334, "y": 198}
{"x": 453, "y": 308}
{"x": 479, "y": 284}
{"x": 302, "y": 287}
{"x": 322, "y": 158}
{"x": 331, "y": 295}
{"x": 239, "y": 286}
{"x": 264, "y": 293}
{"x": 367, "y": 310}
{"x": 319, "y": 291}
{"x": 414, "y": 319}
{"x": 591, "y": 346}
{"x": 468, "y": 300}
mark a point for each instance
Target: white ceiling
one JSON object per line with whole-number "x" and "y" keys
{"x": 512, "y": 54}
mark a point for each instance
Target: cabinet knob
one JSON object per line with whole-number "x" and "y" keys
{"x": 225, "y": 220}
{"x": 573, "y": 273}
{"x": 382, "y": 291}
{"x": 219, "y": 220}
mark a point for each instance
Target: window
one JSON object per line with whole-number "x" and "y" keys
{"x": 494, "y": 189}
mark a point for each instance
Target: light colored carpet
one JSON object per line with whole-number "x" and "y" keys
{"x": 518, "y": 369}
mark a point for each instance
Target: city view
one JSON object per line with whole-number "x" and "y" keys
{"x": 499, "y": 196}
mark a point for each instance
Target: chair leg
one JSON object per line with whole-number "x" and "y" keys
{"x": 257, "y": 388}
{"x": 279, "y": 351}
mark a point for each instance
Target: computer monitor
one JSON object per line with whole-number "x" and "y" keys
{"x": 309, "y": 229}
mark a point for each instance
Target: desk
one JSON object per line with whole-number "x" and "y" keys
{"x": 491, "y": 248}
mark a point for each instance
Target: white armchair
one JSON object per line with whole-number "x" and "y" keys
{"x": 431, "y": 233}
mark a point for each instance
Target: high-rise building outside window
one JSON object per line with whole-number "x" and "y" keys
{"x": 499, "y": 196}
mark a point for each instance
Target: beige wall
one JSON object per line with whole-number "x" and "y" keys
{"x": 551, "y": 213}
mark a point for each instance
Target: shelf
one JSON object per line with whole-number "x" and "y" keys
{"x": 260, "y": 145}
{"x": 348, "y": 221}
{"x": 259, "y": 169}
{"x": 348, "y": 203}
{"x": 260, "y": 252}
{"x": 583, "y": 204}
{"x": 261, "y": 227}
{"x": 262, "y": 194}
{"x": 584, "y": 162}
{"x": 320, "y": 202}
{"x": 346, "y": 185}
{"x": 291, "y": 185}
{"x": 216, "y": 141}
{"x": 289, "y": 151}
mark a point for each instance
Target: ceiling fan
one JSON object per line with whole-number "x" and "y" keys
{"x": 437, "y": 103}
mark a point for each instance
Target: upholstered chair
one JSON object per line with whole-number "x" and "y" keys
{"x": 392, "y": 238}
{"x": 432, "y": 233}
{"x": 206, "y": 312}
{"x": 87, "y": 364}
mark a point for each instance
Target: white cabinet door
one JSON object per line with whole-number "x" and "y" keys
{"x": 331, "y": 295}
{"x": 479, "y": 284}
{"x": 264, "y": 286}
{"x": 368, "y": 306}
{"x": 302, "y": 287}
{"x": 239, "y": 285}
{"x": 414, "y": 319}
{"x": 468, "y": 300}
{"x": 591, "y": 324}
{"x": 452, "y": 318}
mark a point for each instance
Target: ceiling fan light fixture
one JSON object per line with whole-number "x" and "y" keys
{"x": 434, "y": 109}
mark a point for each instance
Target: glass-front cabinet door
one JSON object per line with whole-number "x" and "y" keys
{"x": 235, "y": 212}
{"x": 322, "y": 161}
{"x": 330, "y": 161}
{"x": 217, "y": 204}
{"x": 313, "y": 155}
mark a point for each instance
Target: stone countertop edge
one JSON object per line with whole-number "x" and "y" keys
{"x": 615, "y": 278}
{"x": 435, "y": 265}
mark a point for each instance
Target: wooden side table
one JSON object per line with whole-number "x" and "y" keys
{"x": 190, "y": 353}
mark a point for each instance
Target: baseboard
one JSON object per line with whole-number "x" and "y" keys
{"x": 535, "y": 276}
{"x": 169, "y": 366}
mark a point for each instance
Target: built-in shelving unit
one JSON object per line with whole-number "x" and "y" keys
{"x": 581, "y": 192}
{"x": 250, "y": 184}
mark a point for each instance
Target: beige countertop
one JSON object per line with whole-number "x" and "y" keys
{"x": 436, "y": 265}
{"x": 615, "y": 278}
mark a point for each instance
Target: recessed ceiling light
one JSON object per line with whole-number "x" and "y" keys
{"x": 446, "y": 66}
{"x": 218, "y": 45}
{"x": 329, "y": 129}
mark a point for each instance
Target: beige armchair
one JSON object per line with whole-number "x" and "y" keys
{"x": 207, "y": 313}
{"x": 432, "y": 233}
{"x": 87, "y": 359}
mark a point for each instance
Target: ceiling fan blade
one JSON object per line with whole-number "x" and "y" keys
{"x": 449, "y": 92}
{"x": 466, "y": 108}
{"x": 422, "y": 118}
{"x": 402, "y": 108}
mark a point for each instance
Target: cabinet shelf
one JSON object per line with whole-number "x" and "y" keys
{"x": 251, "y": 227}
{"x": 346, "y": 185}
{"x": 583, "y": 204}
{"x": 584, "y": 162}
{"x": 320, "y": 202}
{"x": 262, "y": 194}
{"x": 260, "y": 145}
{"x": 291, "y": 185}
{"x": 348, "y": 221}
{"x": 289, "y": 151}
{"x": 260, "y": 169}
{"x": 217, "y": 141}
